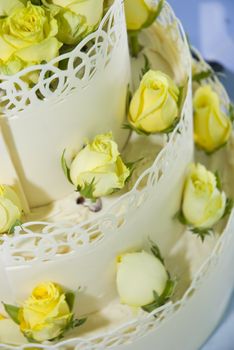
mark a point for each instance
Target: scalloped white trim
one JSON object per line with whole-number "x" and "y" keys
{"x": 17, "y": 97}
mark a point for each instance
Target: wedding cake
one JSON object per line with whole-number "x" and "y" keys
{"x": 116, "y": 179}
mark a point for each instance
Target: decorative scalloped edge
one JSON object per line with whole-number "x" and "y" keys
{"x": 52, "y": 240}
{"x": 17, "y": 97}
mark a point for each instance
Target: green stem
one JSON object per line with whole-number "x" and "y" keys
{"x": 135, "y": 47}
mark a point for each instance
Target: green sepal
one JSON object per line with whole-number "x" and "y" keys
{"x": 202, "y": 232}
{"x": 181, "y": 218}
{"x": 36, "y": 2}
{"x": 163, "y": 298}
{"x": 88, "y": 190}
{"x": 156, "y": 251}
{"x": 65, "y": 167}
{"x": 151, "y": 19}
{"x": 171, "y": 128}
{"x": 228, "y": 208}
{"x": 12, "y": 228}
{"x": 210, "y": 153}
{"x": 128, "y": 99}
{"x": 13, "y": 312}
{"x": 146, "y": 67}
{"x": 73, "y": 323}
{"x": 219, "y": 184}
{"x": 141, "y": 132}
{"x": 198, "y": 77}
{"x": 132, "y": 167}
{"x": 154, "y": 15}
{"x": 231, "y": 112}
{"x": 70, "y": 299}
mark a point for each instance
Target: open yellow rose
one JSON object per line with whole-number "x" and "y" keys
{"x": 140, "y": 13}
{"x": 98, "y": 168}
{"x": 6, "y": 7}
{"x": 77, "y": 18}
{"x": 203, "y": 203}
{"x": 27, "y": 37}
{"x": 139, "y": 275}
{"x": 10, "y": 208}
{"x": 45, "y": 314}
{"x": 154, "y": 106}
{"x": 212, "y": 128}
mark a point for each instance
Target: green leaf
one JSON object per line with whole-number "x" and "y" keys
{"x": 163, "y": 298}
{"x": 88, "y": 190}
{"x": 12, "y": 228}
{"x": 13, "y": 312}
{"x": 198, "y": 77}
{"x": 65, "y": 168}
{"x": 70, "y": 299}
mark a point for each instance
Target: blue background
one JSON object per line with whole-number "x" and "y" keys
{"x": 210, "y": 25}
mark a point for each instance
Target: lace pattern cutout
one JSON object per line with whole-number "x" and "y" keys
{"x": 89, "y": 57}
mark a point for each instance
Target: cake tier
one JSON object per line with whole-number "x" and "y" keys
{"x": 63, "y": 109}
{"x": 205, "y": 277}
{"x": 87, "y": 245}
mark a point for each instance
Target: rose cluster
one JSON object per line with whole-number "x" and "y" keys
{"x": 33, "y": 34}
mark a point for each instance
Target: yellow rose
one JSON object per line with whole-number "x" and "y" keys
{"x": 27, "y": 37}
{"x": 140, "y": 13}
{"x": 77, "y": 18}
{"x": 6, "y": 7}
{"x": 154, "y": 106}
{"x": 10, "y": 208}
{"x": 212, "y": 128}
{"x": 203, "y": 203}
{"x": 139, "y": 275}
{"x": 46, "y": 314}
{"x": 98, "y": 166}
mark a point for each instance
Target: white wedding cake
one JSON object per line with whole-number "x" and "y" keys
{"x": 116, "y": 179}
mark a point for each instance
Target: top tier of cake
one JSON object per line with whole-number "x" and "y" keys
{"x": 63, "y": 109}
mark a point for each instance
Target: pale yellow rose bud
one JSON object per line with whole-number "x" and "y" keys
{"x": 77, "y": 18}
{"x": 203, "y": 203}
{"x": 45, "y": 314}
{"x": 212, "y": 128}
{"x": 27, "y": 37}
{"x": 154, "y": 106}
{"x": 140, "y": 13}
{"x": 10, "y": 208}
{"x": 99, "y": 166}
{"x": 139, "y": 275}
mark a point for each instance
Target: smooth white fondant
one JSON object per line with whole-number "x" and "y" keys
{"x": 37, "y": 134}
